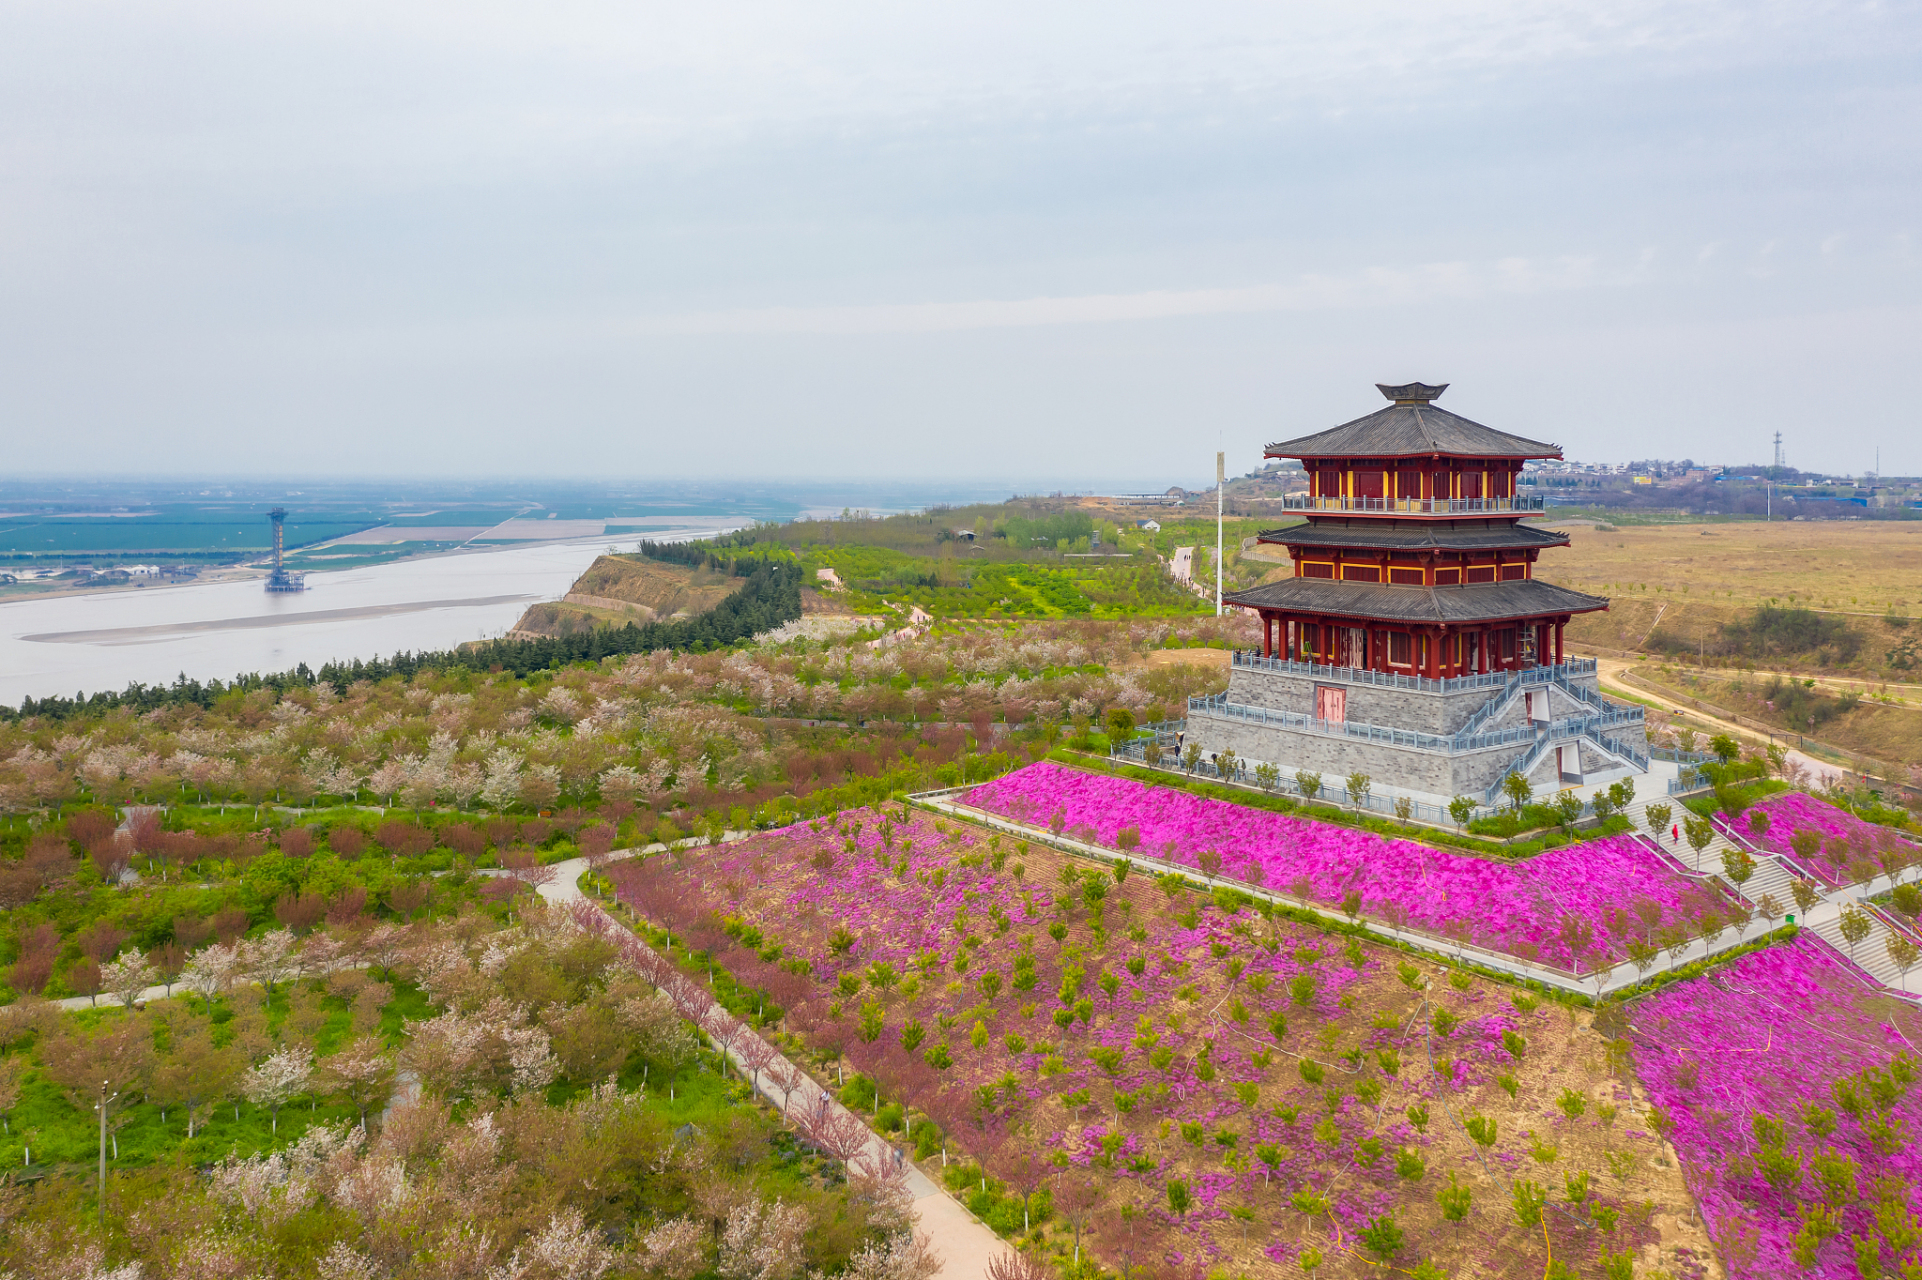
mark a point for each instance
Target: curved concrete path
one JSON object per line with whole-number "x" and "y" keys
{"x": 961, "y": 1241}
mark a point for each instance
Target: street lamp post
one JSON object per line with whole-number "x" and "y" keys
{"x": 101, "y": 1107}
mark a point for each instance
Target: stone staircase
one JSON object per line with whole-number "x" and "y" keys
{"x": 1773, "y": 878}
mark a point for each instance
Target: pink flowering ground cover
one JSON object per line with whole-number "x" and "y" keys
{"x": 1242, "y": 1086}
{"x": 1826, "y": 1181}
{"x": 1515, "y": 907}
{"x": 1846, "y": 839}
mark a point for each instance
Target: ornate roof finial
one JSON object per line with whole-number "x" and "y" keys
{"x": 1411, "y": 392}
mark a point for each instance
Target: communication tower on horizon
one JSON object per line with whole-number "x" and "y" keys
{"x": 1778, "y": 448}
{"x": 280, "y": 579}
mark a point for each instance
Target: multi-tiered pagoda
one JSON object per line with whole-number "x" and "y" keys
{"x": 1403, "y": 504}
{"x": 1413, "y": 641}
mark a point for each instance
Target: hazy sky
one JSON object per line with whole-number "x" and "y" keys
{"x": 1085, "y": 244}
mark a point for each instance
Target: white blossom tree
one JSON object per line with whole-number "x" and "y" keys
{"x": 501, "y": 785}
{"x": 126, "y": 977}
{"x": 277, "y": 1079}
{"x": 391, "y": 777}
{"x": 902, "y": 1256}
{"x": 762, "y": 1241}
{"x": 362, "y": 1072}
{"x": 209, "y": 971}
{"x": 675, "y": 1250}
{"x": 530, "y": 1057}
{"x": 270, "y": 959}
{"x": 463, "y": 784}
{"x": 565, "y": 1249}
{"x": 621, "y": 782}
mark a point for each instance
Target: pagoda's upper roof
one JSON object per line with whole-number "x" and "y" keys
{"x": 1411, "y": 427}
{"x": 1481, "y": 602}
{"x": 1445, "y": 535}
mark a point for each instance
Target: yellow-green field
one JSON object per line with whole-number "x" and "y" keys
{"x": 1674, "y": 588}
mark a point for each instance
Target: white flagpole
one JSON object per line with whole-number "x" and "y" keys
{"x": 1221, "y": 484}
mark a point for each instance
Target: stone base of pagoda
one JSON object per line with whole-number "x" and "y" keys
{"x": 1430, "y": 776}
{"x": 1531, "y": 696}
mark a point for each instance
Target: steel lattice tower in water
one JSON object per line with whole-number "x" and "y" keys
{"x": 280, "y": 579}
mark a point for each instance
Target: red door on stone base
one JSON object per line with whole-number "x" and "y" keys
{"x": 1331, "y": 703}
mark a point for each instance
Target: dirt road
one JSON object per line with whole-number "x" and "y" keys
{"x": 1612, "y": 672}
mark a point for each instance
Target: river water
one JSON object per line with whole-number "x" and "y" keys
{"x": 104, "y": 641}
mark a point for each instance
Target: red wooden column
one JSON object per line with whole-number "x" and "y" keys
{"x": 1559, "y": 624}
{"x": 1434, "y": 652}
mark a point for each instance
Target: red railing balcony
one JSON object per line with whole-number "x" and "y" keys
{"x": 1414, "y": 506}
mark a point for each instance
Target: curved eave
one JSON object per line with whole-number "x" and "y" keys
{"x": 1412, "y": 536}
{"x": 1289, "y": 449}
{"x": 1529, "y": 598}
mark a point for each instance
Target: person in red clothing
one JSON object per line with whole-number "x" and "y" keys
{"x": 1675, "y": 834}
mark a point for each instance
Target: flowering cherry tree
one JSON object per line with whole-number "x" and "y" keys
{"x": 277, "y": 1079}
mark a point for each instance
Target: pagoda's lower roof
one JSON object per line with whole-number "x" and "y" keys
{"x": 1480, "y": 602}
{"x": 1450, "y": 535}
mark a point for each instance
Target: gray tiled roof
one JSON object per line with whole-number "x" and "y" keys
{"x": 1483, "y": 602}
{"x": 1452, "y": 535}
{"x": 1411, "y": 535}
{"x": 1412, "y": 430}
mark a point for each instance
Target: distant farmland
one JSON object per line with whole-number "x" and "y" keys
{"x": 200, "y": 532}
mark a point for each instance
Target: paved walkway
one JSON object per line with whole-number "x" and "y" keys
{"x": 963, "y": 1244}
{"x": 1774, "y": 877}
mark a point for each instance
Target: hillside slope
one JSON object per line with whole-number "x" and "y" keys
{"x": 620, "y": 589}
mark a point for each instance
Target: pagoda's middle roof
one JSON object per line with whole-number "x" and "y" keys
{"x": 1412, "y": 428}
{"x": 1443, "y": 535}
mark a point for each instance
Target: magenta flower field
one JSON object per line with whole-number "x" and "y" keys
{"x": 1790, "y": 1035}
{"x": 1513, "y": 907}
{"x": 1845, "y": 837}
{"x": 1245, "y": 1086}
